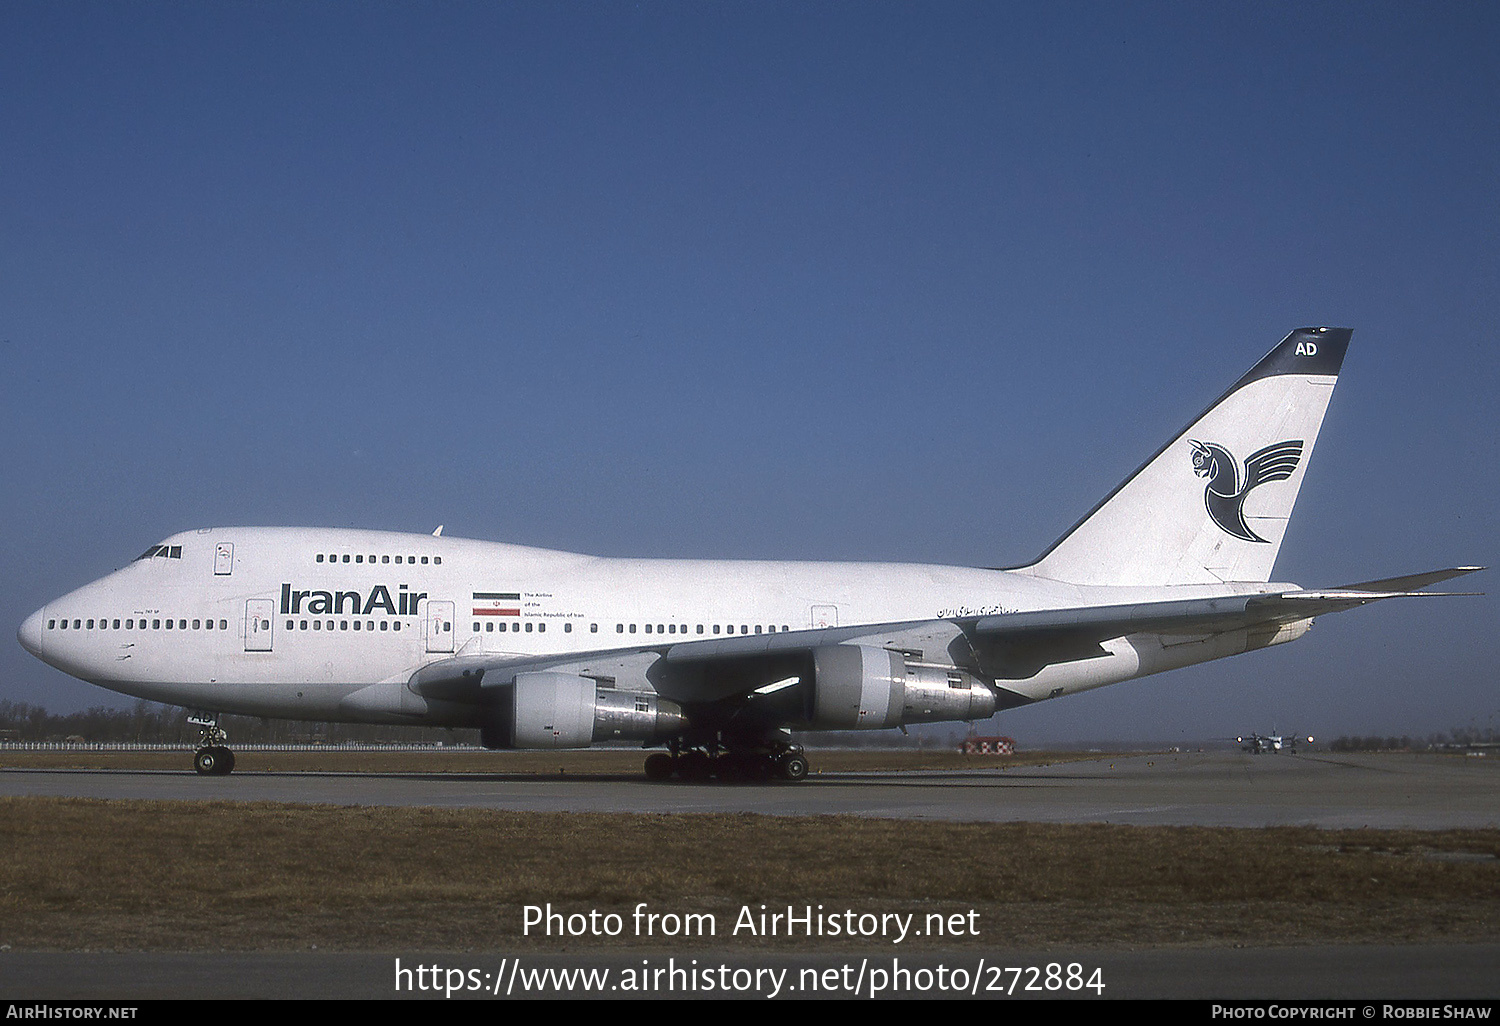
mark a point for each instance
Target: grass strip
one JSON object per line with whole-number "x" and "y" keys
{"x": 139, "y": 875}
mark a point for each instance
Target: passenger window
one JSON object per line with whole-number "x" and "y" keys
{"x": 320, "y": 557}
{"x": 198, "y": 625}
{"x": 223, "y": 625}
{"x": 385, "y": 559}
{"x": 437, "y": 559}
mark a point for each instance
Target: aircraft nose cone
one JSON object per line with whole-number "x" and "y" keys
{"x": 30, "y": 634}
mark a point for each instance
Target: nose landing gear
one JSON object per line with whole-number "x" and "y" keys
{"x": 213, "y": 757}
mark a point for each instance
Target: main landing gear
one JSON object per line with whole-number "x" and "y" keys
{"x": 695, "y": 765}
{"x": 213, "y": 757}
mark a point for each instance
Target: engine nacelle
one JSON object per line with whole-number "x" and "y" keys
{"x": 861, "y": 687}
{"x": 562, "y": 710}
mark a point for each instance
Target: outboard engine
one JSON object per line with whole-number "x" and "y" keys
{"x": 861, "y": 687}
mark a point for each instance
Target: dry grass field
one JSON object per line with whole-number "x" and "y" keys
{"x": 130, "y": 875}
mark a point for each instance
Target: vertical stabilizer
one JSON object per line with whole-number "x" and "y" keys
{"x": 1212, "y": 504}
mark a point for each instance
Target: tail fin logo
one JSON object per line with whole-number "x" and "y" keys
{"x": 1224, "y": 497}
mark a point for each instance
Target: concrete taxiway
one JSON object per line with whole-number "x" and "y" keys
{"x": 1426, "y": 792}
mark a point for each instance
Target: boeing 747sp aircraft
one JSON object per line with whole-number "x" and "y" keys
{"x": 718, "y": 662}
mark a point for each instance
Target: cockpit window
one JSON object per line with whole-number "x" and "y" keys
{"x": 165, "y": 552}
{"x": 148, "y": 553}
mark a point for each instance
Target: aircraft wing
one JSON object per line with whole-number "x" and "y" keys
{"x": 711, "y": 669}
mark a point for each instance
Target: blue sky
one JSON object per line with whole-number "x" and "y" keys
{"x": 829, "y": 281}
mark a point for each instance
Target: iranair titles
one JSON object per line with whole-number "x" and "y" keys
{"x": 352, "y": 603}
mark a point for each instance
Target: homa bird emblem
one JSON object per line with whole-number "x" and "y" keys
{"x": 1225, "y": 495}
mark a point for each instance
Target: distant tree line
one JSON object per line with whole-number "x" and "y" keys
{"x": 1459, "y": 737}
{"x": 1370, "y": 744}
{"x": 149, "y": 723}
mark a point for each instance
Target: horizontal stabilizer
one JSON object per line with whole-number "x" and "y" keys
{"x": 1209, "y": 615}
{"x": 1412, "y": 581}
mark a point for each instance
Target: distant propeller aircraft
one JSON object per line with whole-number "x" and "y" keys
{"x": 1258, "y": 743}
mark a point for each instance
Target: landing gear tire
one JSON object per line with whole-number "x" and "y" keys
{"x": 792, "y": 767}
{"x": 213, "y": 761}
{"x": 659, "y": 766}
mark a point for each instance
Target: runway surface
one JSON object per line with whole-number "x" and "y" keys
{"x": 1426, "y": 792}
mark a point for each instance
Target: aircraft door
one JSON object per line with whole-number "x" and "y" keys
{"x": 259, "y": 616}
{"x": 223, "y": 559}
{"x": 824, "y": 616}
{"x": 437, "y": 624}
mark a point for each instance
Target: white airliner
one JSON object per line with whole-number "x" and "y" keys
{"x": 718, "y": 662}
